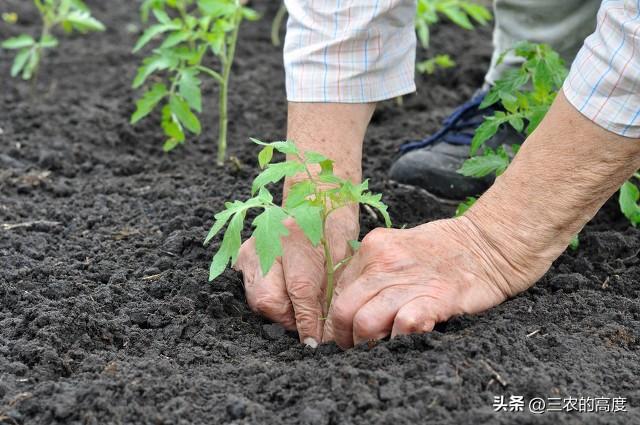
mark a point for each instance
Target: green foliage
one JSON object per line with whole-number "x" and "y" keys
{"x": 185, "y": 33}
{"x": 430, "y": 66}
{"x": 525, "y": 93}
{"x": 70, "y": 15}
{"x": 461, "y": 12}
{"x": 628, "y": 199}
{"x": 309, "y": 203}
{"x": 465, "y": 205}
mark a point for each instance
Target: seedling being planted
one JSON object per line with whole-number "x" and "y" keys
{"x": 194, "y": 29}
{"x": 310, "y": 202}
{"x": 70, "y": 15}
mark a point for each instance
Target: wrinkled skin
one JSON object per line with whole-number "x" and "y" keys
{"x": 390, "y": 287}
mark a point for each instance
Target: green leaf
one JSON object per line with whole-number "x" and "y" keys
{"x": 309, "y": 219}
{"x": 157, "y": 62}
{"x": 217, "y": 8}
{"x": 175, "y": 38}
{"x": 223, "y": 217}
{"x": 20, "y": 61}
{"x": 269, "y": 228}
{"x": 230, "y": 246}
{"x": 18, "y": 42}
{"x": 484, "y": 132}
{"x": 161, "y": 16}
{"x": 465, "y": 205}
{"x": 189, "y": 88}
{"x": 82, "y": 21}
{"x": 48, "y": 42}
{"x": 265, "y": 155}
{"x": 299, "y": 192}
{"x": 180, "y": 108}
{"x": 148, "y": 102}
{"x": 314, "y": 157}
{"x": 374, "y": 200}
{"x": 276, "y": 172}
{"x": 286, "y": 147}
{"x": 490, "y": 162}
{"x": 151, "y": 32}
{"x": 628, "y": 201}
{"x": 171, "y": 128}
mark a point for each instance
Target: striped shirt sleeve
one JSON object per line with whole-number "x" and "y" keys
{"x": 349, "y": 51}
{"x": 604, "y": 82}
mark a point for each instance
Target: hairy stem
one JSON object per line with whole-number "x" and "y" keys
{"x": 224, "y": 89}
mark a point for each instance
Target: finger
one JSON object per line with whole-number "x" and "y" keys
{"x": 304, "y": 274}
{"x": 266, "y": 295}
{"x": 374, "y": 320}
{"x": 417, "y": 316}
{"x": 349, "y": 298}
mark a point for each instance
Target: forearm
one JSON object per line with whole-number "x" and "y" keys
{"x": 561, "y": 177}
{"x": 332, "y": 129}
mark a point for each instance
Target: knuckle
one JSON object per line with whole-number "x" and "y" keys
{"x": 374, "y": 238}
{"x": 302, "y": 288}
{"x": 408, "y": 323}
{"x": 270, "y": 306}
{"x": 363, "y": 325}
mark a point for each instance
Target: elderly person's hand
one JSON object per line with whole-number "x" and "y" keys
{"x": 405, "y": 281}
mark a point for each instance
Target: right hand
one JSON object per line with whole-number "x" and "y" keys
{"x": 293, "y": 292}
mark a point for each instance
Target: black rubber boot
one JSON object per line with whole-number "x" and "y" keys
{"x": 432, "y": 163}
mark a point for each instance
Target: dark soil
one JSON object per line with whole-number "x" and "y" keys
{"x": 106, "y": 316}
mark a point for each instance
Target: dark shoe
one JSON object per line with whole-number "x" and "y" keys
{"x": 432, "y": 163}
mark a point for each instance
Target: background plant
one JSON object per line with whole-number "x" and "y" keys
{"x": 190, "y": 30}
{"x": 309, "y": 202}
{"x": 526, "y": 94}
{"x": 463, "y": 13}
{"x": 70, "y": 15}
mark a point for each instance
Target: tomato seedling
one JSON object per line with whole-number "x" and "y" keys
{"x": 70, "y": 15}
{"x": 196, "y": 28}
{"x": 525, "y": 94}
{"x": 309, "y": 203}
{"x": 629, "y": 200}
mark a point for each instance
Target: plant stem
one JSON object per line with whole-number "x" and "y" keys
{"x": 330, "y": 268}
{"x": 276, "y": 24}
{"x": 224, "y": 88}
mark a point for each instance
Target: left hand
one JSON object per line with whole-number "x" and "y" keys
{"x": 406, "y": 281}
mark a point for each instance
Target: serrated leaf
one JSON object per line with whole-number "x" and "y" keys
{"x": 157, "y": 62}
{"x": 269, "y": 228}
{"x": 180, "y": 108}
{"x": 374, "y": 200}
{"x": 175, "y": 38}
{"x": 18, "y": 42}
{"x": 490, "y": 162}
{"x": 484, "y": 132}
{"x": 276, "y": 172}
{"x": 265, "y": 155}
{"x": 299, "y": 192}
{"x": 230, "y": 246}
{"x": 48, "y": 42}
{"x": 309, "y": 219}
{"x": 152, "y": 32}
{"x": 148, "y": 102}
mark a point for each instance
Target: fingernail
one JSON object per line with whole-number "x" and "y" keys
{"x": 311, "y": 342}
